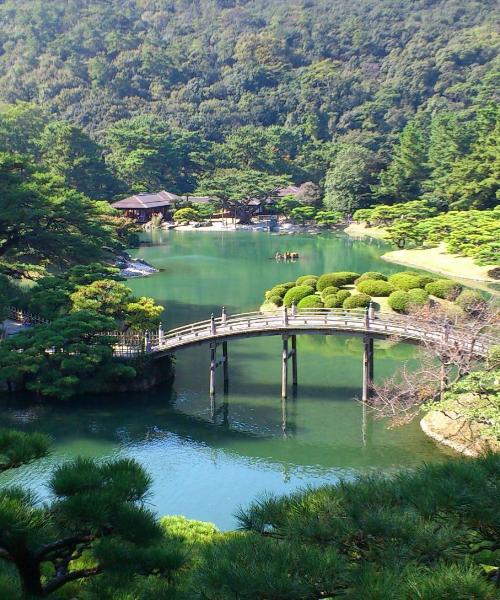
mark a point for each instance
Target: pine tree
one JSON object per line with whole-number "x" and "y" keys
{"x": 403, "y": 178}
{"x": 474, "y": 181}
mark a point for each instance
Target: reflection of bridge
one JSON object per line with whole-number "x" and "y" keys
{"x": 288, "y": 323}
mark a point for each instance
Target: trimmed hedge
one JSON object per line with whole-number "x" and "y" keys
{"x": 329, "y": 291}
{"x": 371, "y": 275}
{"x": 277, "y": 290}
{"x": 375, "y": 287}
{"x": 300, "y": 280}
{"x": 343, "y": 295}
{"x": 407, "y": 280}
{"x": 470, "y": 301}
{"x": 297, "y": 293}
{"x": 447, "y": 289}
{"x": 333, "y": 301}
{"x": 278, "y": 300}
{"x": 312, "y": 282}
{"x": 418, "y": 297}
{"x": 337, "y": 279}
{"x": 357, "y": 301}
{"x": 399, "y": 301}
{"x": 310, "y": 302}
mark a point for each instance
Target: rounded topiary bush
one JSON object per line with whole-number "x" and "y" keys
{"x": 371, "y": 275}
{"x": 357, "y": 301}
{"x": 399, "y": 301}
{"x": 329, "y": 291}
{"x": 288, "y": 284}
{"x": 277, "y": 290}
{"x": 470, "y": 301}
{"x": 311, "y": 282}
{"x": 343, "y": 295}
{"x": 337, "y": 279}
{"x": 333, "y": 301}
{"x": 313, "y": 301}
{"x": 296, "y": 294}
{"x": 418, "y": 297}
{"x": 406, "y": 281}
{"x": 375, "y": 287}
{"x": 447, "y": 289}
{"x": 300, "y": 280}
{"x": 278, "y": 300}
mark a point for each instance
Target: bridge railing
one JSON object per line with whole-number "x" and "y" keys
{"x": 131, "y": 344}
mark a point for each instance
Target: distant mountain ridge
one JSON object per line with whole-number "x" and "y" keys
{"x": 335, "y": 68}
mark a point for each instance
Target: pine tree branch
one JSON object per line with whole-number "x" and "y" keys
{"x": 62, "y": 544}
{"x": 61, "y": 580}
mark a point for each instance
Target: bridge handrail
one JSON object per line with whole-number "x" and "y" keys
{"x": 354, "y": 319}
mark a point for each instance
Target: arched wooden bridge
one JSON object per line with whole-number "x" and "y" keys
{"x": 218, "y": 331}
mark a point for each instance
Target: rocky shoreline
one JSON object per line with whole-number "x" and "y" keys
{"x": 134, "y": 267}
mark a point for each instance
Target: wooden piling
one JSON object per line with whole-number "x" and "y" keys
{"x": 284, "y": 368}
{"x": 213, "y": 366}
{"x": 225, "y": 366}
{"x": 294, "y": 361}
{"x": 367, "y": 367}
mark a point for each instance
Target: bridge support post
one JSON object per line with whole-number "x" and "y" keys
{"x": 284, "y": 368}
{"x": 213, "y": 366}
{"x": 225, "y": 366}
{"x": 294, "y": 361}
{"x": 367, "y": 367}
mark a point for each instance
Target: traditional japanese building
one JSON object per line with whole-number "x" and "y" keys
{"x": 142, "y": 207}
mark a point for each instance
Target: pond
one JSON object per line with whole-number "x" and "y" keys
{"x": 207, "y": 459}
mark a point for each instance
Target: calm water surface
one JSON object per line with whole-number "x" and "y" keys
{"x": 207, "y": 460}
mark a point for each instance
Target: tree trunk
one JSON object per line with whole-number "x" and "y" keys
{"x": 29, "y": 573}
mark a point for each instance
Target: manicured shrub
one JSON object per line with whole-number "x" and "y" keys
{"x": 407, "y": 280}
{"x": 357, "y": 301}
{"x": 371, "y": 275}
{"x": 343, "y": 295}
{"x": 329, "y": 291}
{"x": 312, "y": 301}
{"x": 277, "y": 290}
{"x": 418, "y": 297}
{"x": 333, "y": 301}
{"x": 288, "y": 284}
{"x": 311, "y": 282}
{"x": 470, "y": 301}
{"x": 337, "y": 279}
{"x": 278, "y": 300}
{"x": 446, "y": 289}
{"x": 425, "y": 279}
{"x": 297, "y": 293}
{"x": 399, "y": 301}
{"x": 375, "y": 287}
{"x": 303, "y": 278}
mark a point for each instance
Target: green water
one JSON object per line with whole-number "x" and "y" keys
{"x": 207, "y": 460}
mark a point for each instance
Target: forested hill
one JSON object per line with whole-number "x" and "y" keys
{"x": 211, "y": 66}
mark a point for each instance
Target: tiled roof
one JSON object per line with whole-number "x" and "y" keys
{"x": 147, "y": 200}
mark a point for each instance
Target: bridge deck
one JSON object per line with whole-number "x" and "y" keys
{"x": 325, "y": 321}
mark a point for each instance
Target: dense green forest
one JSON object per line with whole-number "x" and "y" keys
{"x": 332, "y": 68}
